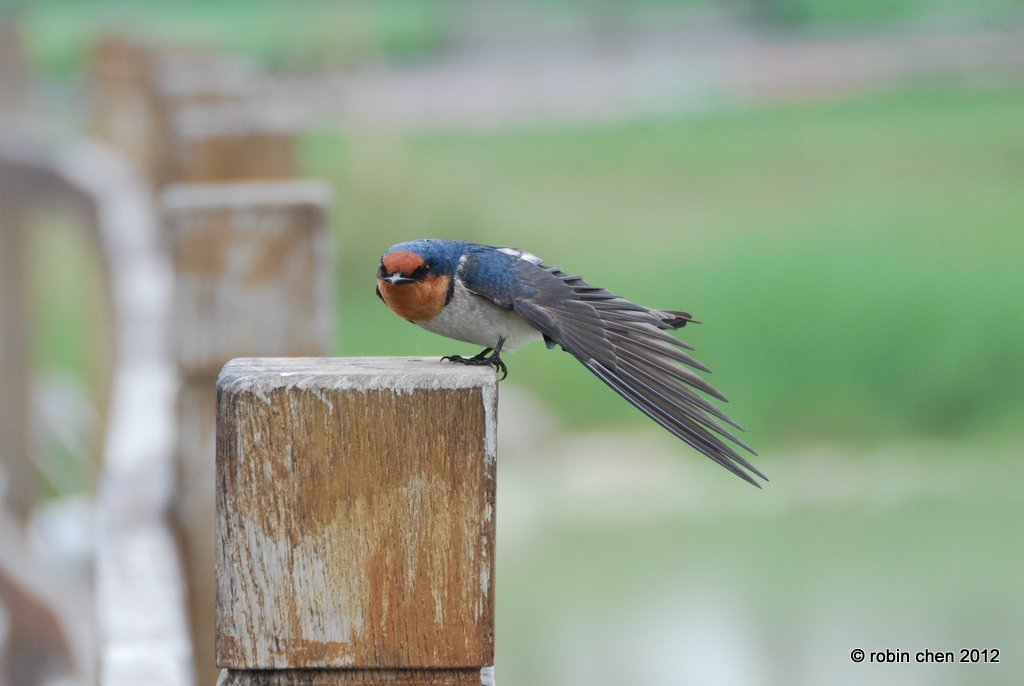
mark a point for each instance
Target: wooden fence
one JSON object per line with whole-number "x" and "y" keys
{"x": 136, "y": 558}
{"x": 353, "y": 499}
{"x": 211, "y": 249}
{"x": 355, "y": 522}
{"x": 49, "y": 616}
{"x": 249, "y": 244}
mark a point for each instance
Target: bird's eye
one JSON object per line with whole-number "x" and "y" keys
{"x": 420, "y": 272}
{"x": 382, "y": 272}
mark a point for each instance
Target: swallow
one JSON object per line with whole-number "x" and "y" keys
{"x": 503, "y": 298}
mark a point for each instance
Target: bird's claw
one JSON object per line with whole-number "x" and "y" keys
{"x": 487, "y": 356}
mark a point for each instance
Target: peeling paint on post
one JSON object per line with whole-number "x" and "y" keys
{"x": 355, "y": 521}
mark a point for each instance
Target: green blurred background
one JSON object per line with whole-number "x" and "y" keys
{"x": 854, "y": 256}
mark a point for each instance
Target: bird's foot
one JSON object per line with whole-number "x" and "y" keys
{"x": 488, "y": 356}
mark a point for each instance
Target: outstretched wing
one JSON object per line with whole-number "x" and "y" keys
{"x": 624, "y": 344}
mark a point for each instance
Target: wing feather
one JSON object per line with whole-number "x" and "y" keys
{"x": 624, "y": 344}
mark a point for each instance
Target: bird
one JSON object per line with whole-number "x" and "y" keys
{"x": 503, "y": 298}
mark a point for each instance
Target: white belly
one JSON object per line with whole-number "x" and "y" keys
{"x": 473, "y": 319}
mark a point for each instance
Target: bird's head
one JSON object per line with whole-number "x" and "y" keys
{"x": 415, "y": 279}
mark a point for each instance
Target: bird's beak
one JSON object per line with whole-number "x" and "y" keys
{"x": 397, "y": 278}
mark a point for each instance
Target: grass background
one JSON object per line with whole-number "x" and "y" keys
{"x": 855, "y": 265}
{"x": 324, "y": 33}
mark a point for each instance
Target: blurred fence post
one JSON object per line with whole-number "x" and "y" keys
{"x": 233, "y": 142}
{"x": 355, "y": 522}
{"x": 35, "y": 636}
{"x": 19, "y": 482}
{"x": 123, "y": 100}
{"x": 187, "y": 79}
{"x": 139, "y": 610}
{"x": 139, "y": 90}
{"x": 253, "y": 268}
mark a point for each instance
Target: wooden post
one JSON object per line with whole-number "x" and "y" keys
{"x": 233, "y": 142}
{"x": 186, "y": 79}
{"x": 123, "y": 101}
{"x": 252, "y": 264}
{"x": 138, "y": 90}
{"x": 253, "y": 271}
{"x": 355, "y": 521}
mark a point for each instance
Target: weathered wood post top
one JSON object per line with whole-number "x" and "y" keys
{"x": 355, "y": 520}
